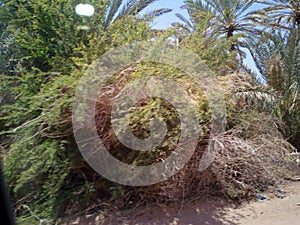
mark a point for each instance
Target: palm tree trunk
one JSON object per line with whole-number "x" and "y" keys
{"x": 229, "y": 35}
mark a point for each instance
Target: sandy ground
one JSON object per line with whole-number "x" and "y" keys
{"x": 281, "y": 210}
{"x": 280, "y": 207}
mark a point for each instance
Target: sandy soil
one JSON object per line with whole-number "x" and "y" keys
{"x": 280, "y": 207}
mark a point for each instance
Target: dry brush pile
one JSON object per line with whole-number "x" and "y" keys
{"x": 250, "y": 158}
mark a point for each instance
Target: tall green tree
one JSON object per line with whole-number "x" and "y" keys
{"x": 281, "y": 13}
{"x": 225, "y": 18}
{"x": 44, "y": 51}
{"x": 277, "y": 57}
{"x": 54, "y": 30}
{"x": 38, "y": 35}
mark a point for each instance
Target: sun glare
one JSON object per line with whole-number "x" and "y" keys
{"x": 85, "y": 10}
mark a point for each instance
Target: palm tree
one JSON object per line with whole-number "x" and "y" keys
{"x": 285, "y": 14}
{"x": 225, "y": 18}
{"x": 277, "y": 57}
{"x": 282, "y": 13}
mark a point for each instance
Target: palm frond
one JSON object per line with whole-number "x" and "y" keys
{"x": 182, "y": 27}
{"x": 196, "y": 6}
{"x": 281, "y": 13}
{"x": 112, "y": 11}
{"x": 185, "y": 21}
{"x": 133, "y": 7}
{"x": 259, "y": 99}
{"x": 157, "y": 12}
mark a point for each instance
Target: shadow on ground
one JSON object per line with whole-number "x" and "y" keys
{"x": 209, "y": 212}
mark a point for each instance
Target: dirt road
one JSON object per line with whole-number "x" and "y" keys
{"x": 280, "y": 207}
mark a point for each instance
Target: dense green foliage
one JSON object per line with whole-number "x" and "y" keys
{"x": 45, "y": 48}
{"x": 44, "y": 52}
{"x": 278, "y": 60}
{"x": 272, "y": 36}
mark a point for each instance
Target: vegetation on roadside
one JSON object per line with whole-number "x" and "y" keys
{"x": 45, "y": 48}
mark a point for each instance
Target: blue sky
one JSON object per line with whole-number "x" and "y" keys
{"x": 166, "y": 20}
